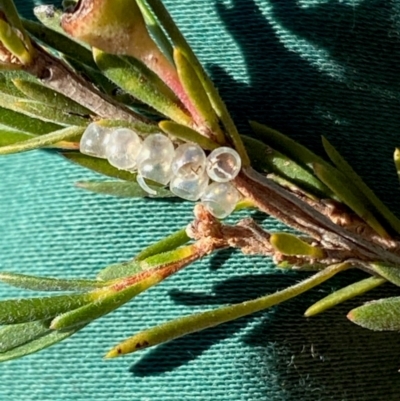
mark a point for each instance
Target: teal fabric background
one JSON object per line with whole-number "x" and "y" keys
{"x": 305, "y": 67}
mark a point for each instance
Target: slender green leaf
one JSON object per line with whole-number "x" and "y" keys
{"x": 200, "y": 321}
{"x": 48, "y": 113}
{"x": 30, "y": 309}
{"x": 10, "y": 137}
{"x": 390, "y": 273}
{"x": 40, "y": 111}
{"x": 16, "y": 335}
{"x": 101, "y": 166}
{"x": 187, "y": 134}
{"x": 14, "y": 37}
{"x": 286, "y": 145}
{"x": 125, "y": 269}
{"x": 7, "y": 86}
{"x": 379, "y": 315}
{"x": 49, "y": 97}
{"x": 95, "y": 310}
{"x": 124, "y": 189}
{"x": 169, "y": 243}
{"x": 396, "y": 157}
{"x": 268, "y": 160}
{"x": 43, "y": 140}
{"x": 135, "y": 78}
{"x": 51, "y": 338}
{"x": 37, "y": 283}
{"x": 196, "y": 92}
{"x": 168, "y": 258}
{"x": 12, "y": 42}
{"x": 23, "y": 123}
{"x": 11, "y": 14}
{"x": 349, "y": 194}
{"x": 120, "y": 270}
{"x": 357, "y": 181}
{"x": 289, "y": 244}
{"x": 344, "y": 294}
{"x": 156, "y": 30}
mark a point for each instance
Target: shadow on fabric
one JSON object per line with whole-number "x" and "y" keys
{"x": 327, "y": 68}
{"x": 322, "y": 69}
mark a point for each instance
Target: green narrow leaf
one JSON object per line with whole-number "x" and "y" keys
{"x": 23, "y": 123}
{"x": 124, "y": 189}
{"x": 189, "y": 324}
{"x": 53, "y": 337}
{"x": 357, "y": 181}
{"x": 135, "y": 78}
{"x": 37, "y": 283}
{"x": 187, "y": 134}
{"x": 119, "y": 270}
{"x": 95, "y": 310}
{"x": 10, "y": 137}
{"x": 156, "y": 30}
{"x": 11, "y": 13}
{"x": 43, "y": 140}
{"x": 390, "y": 273}
{"x": 196, "y": 92}
{"x": 30, "y": 309}
{"x": 379, "y": 315}
{"x": 47, "y": 113}
{"x": 125, "y": 269}
{"x": 168, "y": 258}
{"x": 61, "y": 42}
{"x": 348, "y": 194}
{"x": 16, "y": 335}
{"x": 344, "y": 294}
{"x": 396, "y": 157}
{"x": 101, "y": 166}
{"x": 169, "y": 243}
{"x": 289, "y": 244}
{"x": 12, "y": 33}
{"x": 7, "y": 87}
{"x": 49, "y": 97}
{"x": 286, "y": 145}
{"x": 40, "y": 111}
{"x": 266, "y": 159}
{"x": 218, "y": 105}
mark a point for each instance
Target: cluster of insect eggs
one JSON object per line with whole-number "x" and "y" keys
{"x": 191, "y": 174}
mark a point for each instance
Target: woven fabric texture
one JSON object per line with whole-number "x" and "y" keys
{"x": 305, "y": 67}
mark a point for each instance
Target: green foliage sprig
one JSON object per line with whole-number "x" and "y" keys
{"x": 128, "y": 65}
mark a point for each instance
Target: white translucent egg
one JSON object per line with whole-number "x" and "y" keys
{"x": 123, "y": 148}
{"x": 155, "y": 171}
{"x": 189, "y": 189}
{"x": 94, "y": 141}
{"x": 157, "y": 147}
{"x": 189, "y": 161}
{"x": 223, "y": 164}
{"x": 155, "y": 158}
{"x": 220, "y": 199}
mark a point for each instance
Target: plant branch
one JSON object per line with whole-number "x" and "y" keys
{"x": 283, "y": 205}
{"x": 55, "y": 74}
